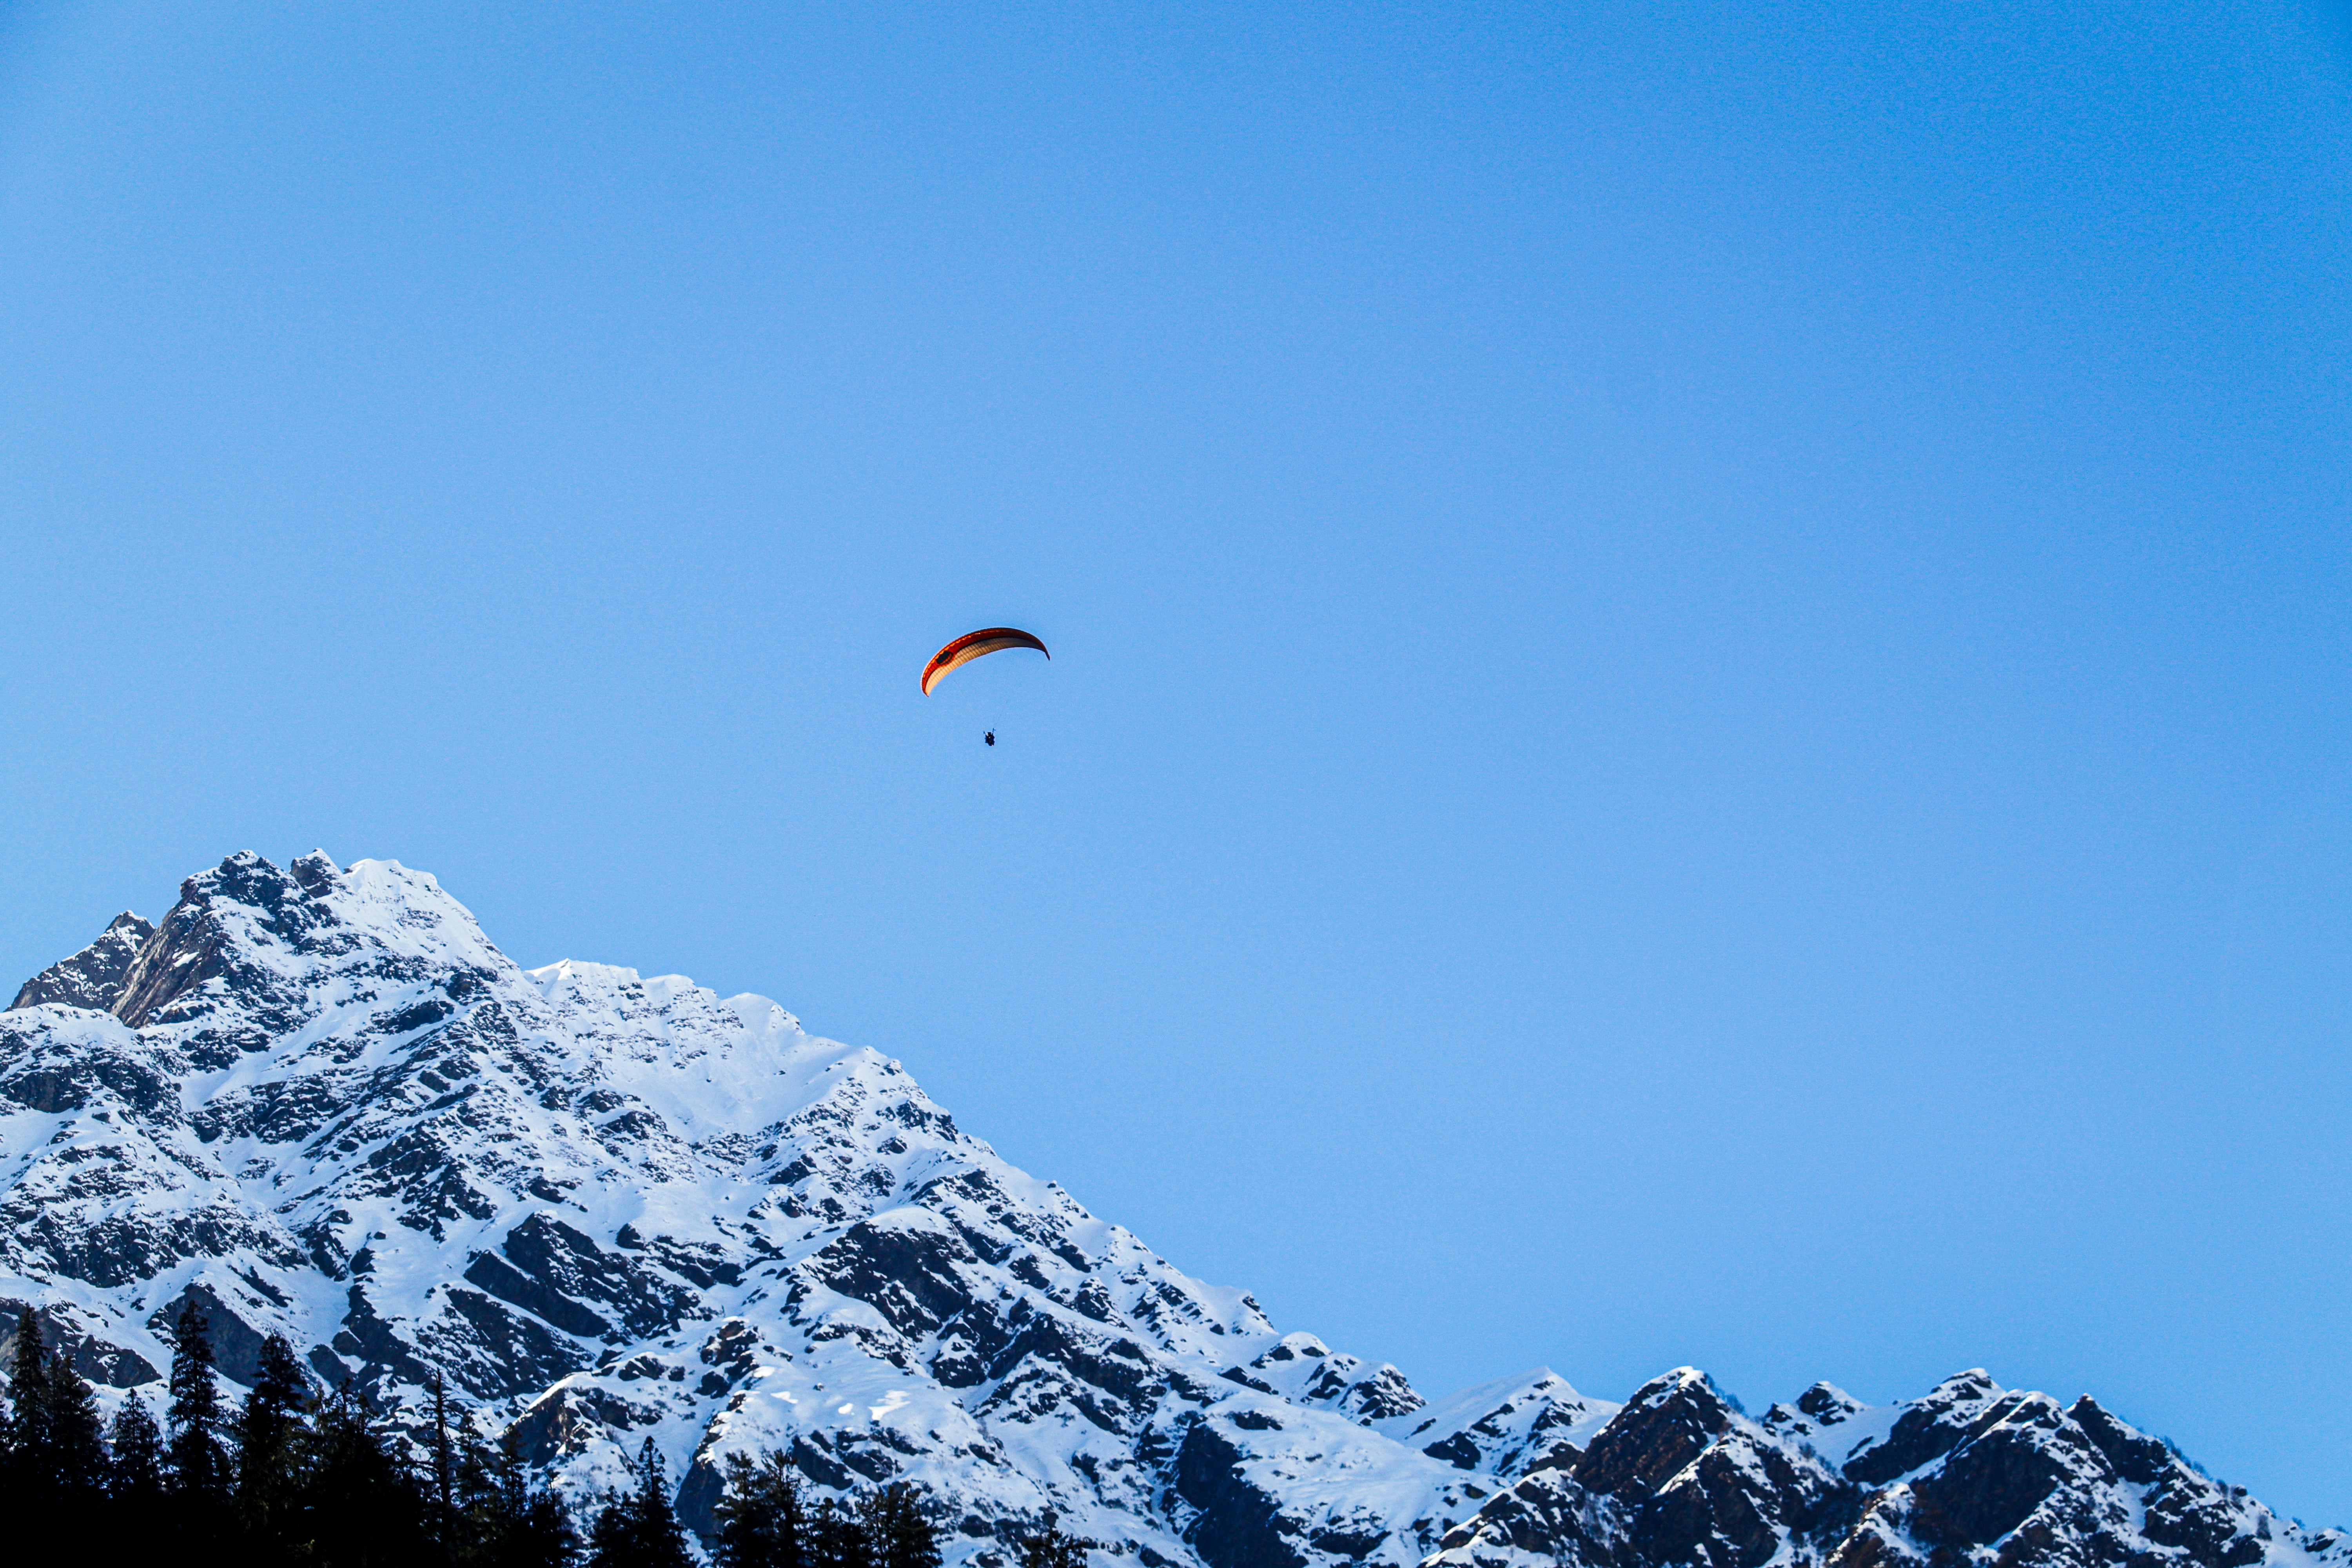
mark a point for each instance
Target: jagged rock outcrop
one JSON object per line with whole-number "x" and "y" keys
{"x": 317, "y": 1101}
{"x": 1972, "y": 1473}
{"x": 93, "y": 977}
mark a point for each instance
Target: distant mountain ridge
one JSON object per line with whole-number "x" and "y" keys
{"x": 320, "y": 1102}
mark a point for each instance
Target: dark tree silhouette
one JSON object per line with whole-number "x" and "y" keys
{"x": 361, "y": 1504}
{"x": 540, "y": 1534}
{"x": 509, "y": 1523}
{"x": 270, "y": 1434}
{"x": 836, "y": 1538}
{"x": 1055, "y": 1550}
{"x": 658, "y": 1528}
{"x": 898, "y": 1531}
{"x": 76, "y": 1450}
{"x": 761, "y": 1521}
{"x": 135, "y": 1484}
{"x": 135, "y": 1458}
{"x": 31, "y": 1453}
{"x": 196, "y": 1462}
{"x": 639, "y": 1528}
{"x": 294, "y": 1482}
{"x": 613, "y": 1536}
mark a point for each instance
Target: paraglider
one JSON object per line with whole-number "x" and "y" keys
{"x": 971, "y": 645}
{"x": 990, "y": 737}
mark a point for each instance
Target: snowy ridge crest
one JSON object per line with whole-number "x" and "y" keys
{"x": 320, "y": 1102}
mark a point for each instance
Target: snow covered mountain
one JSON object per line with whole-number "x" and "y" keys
{"x": 320, "y": 1102}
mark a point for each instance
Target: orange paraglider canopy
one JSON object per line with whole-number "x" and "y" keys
{"x": 971, "y": 646}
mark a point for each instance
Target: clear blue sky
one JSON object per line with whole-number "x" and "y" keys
{"x": 1699, "y": 694}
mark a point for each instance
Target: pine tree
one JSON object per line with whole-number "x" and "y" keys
{"x": 198, "y": 1463}
{"x": 32, "y": 1453}
{"x": 135, "y": 1457}
{"x": 528, "y": 1527}
{"x": 613, "y": 1535}
{"x": 77, "y": 1452}
{"x": 35, "y": 1521}
{"x": 1055, "y": 1550}
{"x": 270, "y": 1433}
{"x": 134, "y": 1483}
{"x": 761, "y": 1522}
{"x": 361, "y": 1503}
{"x": 659, "y": 1540}
{"x": 901, "y": 1535}
{"x": 478, "y": 1503}
{"x": 542, "y": 1536}
{"x": 639, "y": 1528}
{"x": 836, "y": 1539}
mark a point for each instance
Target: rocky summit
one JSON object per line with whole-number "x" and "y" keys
{"x": 319, "y": 1102}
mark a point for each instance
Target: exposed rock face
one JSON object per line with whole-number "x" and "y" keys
{"x": 94, "y": 977}
{"x": 1970, "y": 1474}
{"x": 317, "y": 1101}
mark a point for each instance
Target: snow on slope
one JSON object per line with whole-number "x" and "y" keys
{"x": 604, "y": 1206}
{"x": 320, "y": 1102}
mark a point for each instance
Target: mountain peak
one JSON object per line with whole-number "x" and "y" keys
{"x": 91, "y": 978}
{"x": 601, "y": 1208}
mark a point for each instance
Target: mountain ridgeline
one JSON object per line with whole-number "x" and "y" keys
{"x": 599, "y": 1210}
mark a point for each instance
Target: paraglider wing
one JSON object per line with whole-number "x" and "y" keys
{"x": 971, "y": 646}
